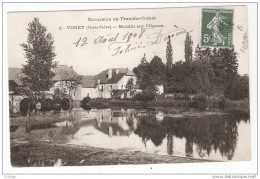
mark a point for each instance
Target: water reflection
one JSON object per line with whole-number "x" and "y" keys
{"x": 218, "y": 137}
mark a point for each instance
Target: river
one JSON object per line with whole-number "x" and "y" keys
{"x": 155, "y": 131}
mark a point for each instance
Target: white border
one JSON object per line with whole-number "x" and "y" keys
{"x": 200, "y": 168}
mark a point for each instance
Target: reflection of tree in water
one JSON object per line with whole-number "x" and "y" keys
{"x": 225, "y": 135}
{"x": 203, "y": 136}
{"x": 149, "y": 128}
{"x": 210, "y": 132}
{"x": 170, "y": 143}
{"x": 189, "y": 147}
{"x": 239, "y": 115}
{"x": 130, "y": 122}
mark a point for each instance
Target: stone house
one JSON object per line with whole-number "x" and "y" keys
{"x": 63, "y": 74}
{"x": 64, "y": 77}
{"x": 102, "y": 84}
{"x": 15, "y": 82}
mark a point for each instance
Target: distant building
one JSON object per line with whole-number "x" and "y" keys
{"x": 102, "y": 84}
{"x": 97, "y": 86}
{"x": 160, "y": 89}
{"x": 87, "y": 88}
{"x": 63, "y": 74}
{"x": 15, "y": 82}
{"x": 15, "y": 85}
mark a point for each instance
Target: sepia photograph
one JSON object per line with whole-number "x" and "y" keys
{"x": 129, "y": 86}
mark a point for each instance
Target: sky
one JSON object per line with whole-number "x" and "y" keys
{"x": 88, "y": 51}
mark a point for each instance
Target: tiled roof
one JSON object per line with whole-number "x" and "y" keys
{"x": 117, "y": 74}
{"x": 88, "y": 82}
{"x": 15, "y": 75}
{"x": 129, "y": 73}
{"x": 62, "y": 72}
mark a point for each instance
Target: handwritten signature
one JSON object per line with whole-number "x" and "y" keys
{"x": 129, "y": 41}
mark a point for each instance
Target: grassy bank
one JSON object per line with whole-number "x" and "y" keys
{"x": 164, "y": 102}
{"x": 41, "y": 154}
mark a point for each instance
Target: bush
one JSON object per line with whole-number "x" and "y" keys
{"x": 144, "y": 97}
{"x": 199, "y": 103}
{"x": 25, "y": 104}
{"x": 222, "y": 103}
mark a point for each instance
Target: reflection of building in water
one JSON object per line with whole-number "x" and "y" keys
{"x": 115, "y": 123}
{"x": 46, "y": 131}
{"x": 159, "y": 115}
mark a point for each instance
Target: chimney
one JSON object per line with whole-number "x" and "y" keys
{"x": 117, "y": 71}
{"x": 71, "y": 67}
{"x": 98, "y": 81}
{"x": 109, "y": 73}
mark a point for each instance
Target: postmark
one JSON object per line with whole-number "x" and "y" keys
{"x": 216, "y": 28}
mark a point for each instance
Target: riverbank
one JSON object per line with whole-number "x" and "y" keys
{"x": 100, "y": 103}
{"x": 43, "y": 154}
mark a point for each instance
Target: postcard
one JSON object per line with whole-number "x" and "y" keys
{"x": 129, "y": 86}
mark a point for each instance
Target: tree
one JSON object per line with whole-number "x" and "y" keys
{"x": 188, "y": 48}
{"x": 130, "y": 86}
{"x": 198, "y": 53}
{"x": 144, "y": 61}
{"x": 141, "y": 71}
{"x": 181, "y": 79}
{"x": 157, "y": 71}
{"x": 229, "y": 59}
{"x": 70, "y": 85}
{"x": 224, "y": 65}
{"x": 169, "y": 55}
{"x": 149, "y": 75}
{"x": 39, "y": 51}
{"x": 238, "y": 88}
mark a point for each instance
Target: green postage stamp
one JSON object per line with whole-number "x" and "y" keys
{"x": 216, "y": 27}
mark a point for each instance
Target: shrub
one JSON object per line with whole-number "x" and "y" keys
{"x": 144, "y": 97}
{"x": 222, "y": 103}
{"x": 199, "y": 103}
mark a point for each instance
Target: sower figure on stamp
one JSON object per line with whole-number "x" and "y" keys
{"x": 214, "y": 24}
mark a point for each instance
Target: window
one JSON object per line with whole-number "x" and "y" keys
{"x": 122, "y": 87}
{"x": 111, "y": 87}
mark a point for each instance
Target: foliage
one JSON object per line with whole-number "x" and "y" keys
{"x": 70, "y": 84}
{"x": 223, "y": 103}
{"x": 39, "y": 52}
{"x": 200, "y": 103}
{"x": 211, "y": 72}
{"x": 59, "y": 92}
{"x": 117, "y": 93}
{"x": 145, "y": 96}
{"x": 169, "y": 55}
{"x": 143, "y": 61}
{"x": 101, "y": 89}
{"x": 238, "y": 88}
{"x": 188, "y": 48}
{"x": 224, "y": 65}
{"x": 130, "y": 87}
{"x": 149, "y": 75}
